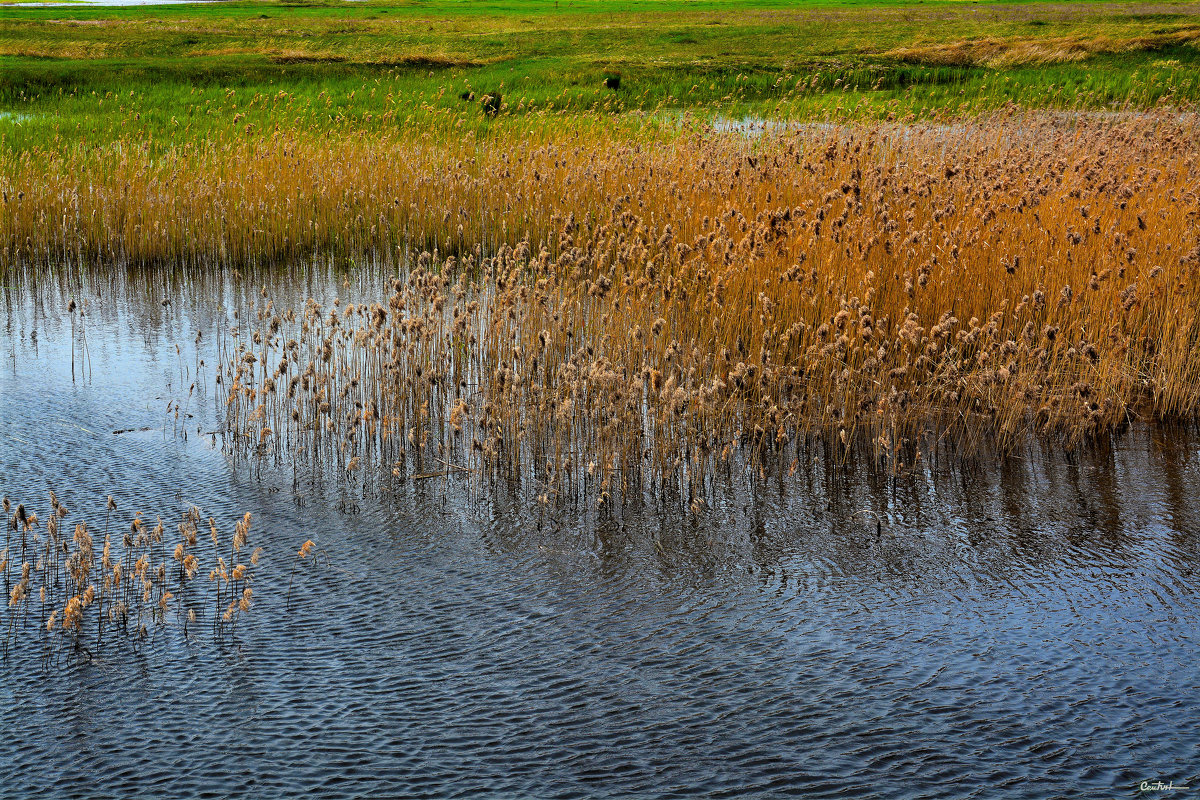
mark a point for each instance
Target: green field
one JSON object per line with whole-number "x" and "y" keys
{"x": 188, "y": 70}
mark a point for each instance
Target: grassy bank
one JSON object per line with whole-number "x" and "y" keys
{"x": 186, "y": 71}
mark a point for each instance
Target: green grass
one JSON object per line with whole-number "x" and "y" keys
{"x": 198, "y": 70}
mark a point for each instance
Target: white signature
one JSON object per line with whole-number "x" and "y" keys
{"x": 1159, "y": 786}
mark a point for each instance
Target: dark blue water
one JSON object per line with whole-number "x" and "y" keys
{"x": 1024, "y": 630}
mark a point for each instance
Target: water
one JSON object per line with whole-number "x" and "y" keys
{"x": 754, "y": 126}
{"x": 1027, "y": 630}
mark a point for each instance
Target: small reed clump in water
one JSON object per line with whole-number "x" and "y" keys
{"x": 77, "y": 587}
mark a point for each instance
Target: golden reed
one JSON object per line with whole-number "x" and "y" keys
{"x": 594, "y": 313}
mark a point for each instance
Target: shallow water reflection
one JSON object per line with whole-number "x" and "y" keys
{"x": 1026, "y": 630}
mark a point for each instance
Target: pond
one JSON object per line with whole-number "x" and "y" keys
{"x": 1024, "y": 629}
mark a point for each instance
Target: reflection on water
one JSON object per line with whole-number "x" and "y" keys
{"x": 1026, "y": 629}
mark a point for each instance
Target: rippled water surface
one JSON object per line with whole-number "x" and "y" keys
{"x": 1025, "y": 630}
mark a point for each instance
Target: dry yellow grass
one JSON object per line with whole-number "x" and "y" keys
{"x": 1000, "y": 53}
{"x": 80, "y": 51}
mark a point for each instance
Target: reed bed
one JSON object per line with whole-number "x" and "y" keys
{"x": 710, "y": 301}
{"x": 600, "y": 317}
{"x": 273, "y": 199}
{"x": 120, "y": 579}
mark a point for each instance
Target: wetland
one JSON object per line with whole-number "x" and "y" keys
{"x": 646, "y": 399}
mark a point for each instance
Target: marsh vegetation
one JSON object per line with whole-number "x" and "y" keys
{"x": 596, "y": 277}
{"x": 638, "y": 311}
